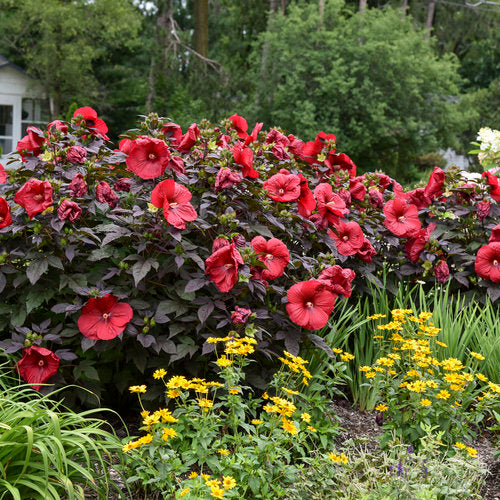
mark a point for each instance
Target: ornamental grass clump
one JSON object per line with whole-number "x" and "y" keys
{"x": 214, "y": 439}
{"x": 417, "y": 388}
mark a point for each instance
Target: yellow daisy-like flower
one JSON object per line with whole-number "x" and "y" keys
{"x": 256, "y": 421}
{"x": 145, "y": 439}
{"x": 346, "y": 357}
{"x": 184, "y": 492}
{"x": 168, "y": 433}
{"x": 478, "y": 356}
{"x": 160, "y": 373}
{"x": 224, "y": 361}
{"x": 376, "y": 316}
{"x": 381, "y": 407}
{"x": 212, "y": 482}
{"x": 223, "y": 451}
{"x": 193, "y": 475}
{"x": 441, "y": 344}
{"x": 205, "y": 403}
{"x": 289, "y": 426}
{"x": 178, "y": 382}
{"x": 311, "y": 428}
{"x": 290, "y": 391}
{"x": 173, "y": 393}
{"x": 306, "y": 417}
{"x": 234, "y": 390}
{"x": 494, "y": 387}
{"x": 481, "y": 377}
{"x": 338, "y": 459}
{"x": 425, "y": 402}
{"x": 336, "y": 350}
{"x": 370, "y": 374}
{"x": 137, "y": 389}
{"x": 471, "y": 451}
{"x": 444, "y": 394}
{"x": 228, "y": 482}
{"x": 206, "y": 477}
{"x": 217, "y": 492}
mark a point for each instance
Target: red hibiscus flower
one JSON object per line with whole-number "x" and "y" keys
{"x": 487, "y": 263}
{"x": 148, "y": 158}
{"x": 35, "y": 196}
{"x": 240, "y": 125}
{"x": 282, "y": 187}
{"x": 58, "y": 125}
{"x": 243, "y": 156}
{"x": 434, "y": 187}
{"x": 442, "y": 271}
{"x": 253, "y": 136}
{"x": 338, "y": 280}
{"x": 226, "y": 178}
{"x": 240, "y": 315}
{"x": 104, "y": 318}
{"x": 330, "y": 205}
{"x": 189, "y": 139}
{"x": 416, "y": 243}
{"x": 310, "y": 304}
{"x": 173, "y": 133}
{"x": 69, "y": 210}
{"x": 37, "y": 365}
{"x": 122, "y": 185}
{"x": 31, "y": 143}
{"x": 76, "y": 154}
{"x": 274, "y": 254}
{"x": 375, "y": 198}
{"x": 222, "y": 267}
{"x": 417, "y": 197}
{"x": 349, "y": 237}
{"x": 219, "y": 243}
{"x": 492, "y": 181}
{"x": 296, "y": 146}
{"x": 366, "y": 252}
{"x": 174, "y": 199}
{"x": 92, "y": 122}
{"x": 337, "y": 162}
{"x": 78, "y": 187}
{"x": 483, "y": 208}
{"x": 125, "y": 145}
{"x": 5, "y": 218}
{"x": 312, "y": 148}
{"x": 306, "y": 202}
{"x": 176, "y": 164}
{"x": 105, "y": 194}
{"x": 401, "y": 219}
{"x": 495, "y": 234}
{"x": 357, "y": 188}
{"x": 3, "y": 174}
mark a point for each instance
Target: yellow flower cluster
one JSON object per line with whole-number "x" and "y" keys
{"x": 217, "y": 486}
{"x": 241, "y": 346}
{"x": 131, "y": 445}
{"x": 338, "y": 459}
{"x": 471, "y": 451}
{"x": 297, "y": 365}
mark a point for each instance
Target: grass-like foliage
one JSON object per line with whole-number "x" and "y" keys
{"x": 48, "y": 452}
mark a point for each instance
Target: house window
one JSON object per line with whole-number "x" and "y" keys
{"x": 35, "y": 113}
{"x": 6, "y": 128}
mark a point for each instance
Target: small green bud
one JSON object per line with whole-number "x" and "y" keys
{"x": 145, "y": 329}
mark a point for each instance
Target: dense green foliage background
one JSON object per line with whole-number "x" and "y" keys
{"x": 390, "y": 89}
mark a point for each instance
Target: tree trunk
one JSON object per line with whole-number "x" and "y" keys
{"x": 201, "y": 27}
{"x": 430, "y": 17}
{"x": 321, "y": 9}
{"x": 403, "y": 9}
{"x": 362, "y": 5}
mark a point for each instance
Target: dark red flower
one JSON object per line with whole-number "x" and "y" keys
{"x": 32, "y": 142}
{"x": 173, "y": 133}
{"x": 122, "y": 185}
{"x": 416, "y": 243}
{"x": 274, "y": 254}
{"x": 104, "y": 318}
{"x": 276, "y": 137}
{"x": 34, "y": 196}
{"x": 282, "y": 187}
{"x": 357, "y": 188}
{"x": 492, "y": 181}
{"x": 148, "y": 158}
{"x": 296, "y": 146}
{"x": 174, "y": 199}
{"x": 176, "y": 164}
{"x": 312, "y": 148}
{"x": 338, "y": 280}
{"x": 487, "y": 263}
{"x": 240, "y": 315}
{"x": 310, "y": 304}
{"x": 239, "y": 240}
{"x": 434, "y": 187}
{"x": 330, "y": 205}
{"x": 495, "y": 234}
{"x": 222, "y": 267}
{"x": 349, "y": 237}
{"x": 219, "y": 243}
{"x": 366, "y": 252}
{"x": 37, "y": 365}
{"x": 375, "y": 198}
{"x": 417, "y": 197}
{"x": 59, "y": 125}
{"x": 76, "y": 154}
{"x": 442, "y": 271}
{"x": 306, "y": 202}
{"x": 346, "y": 196}
{"x": 69, "y": 210}
{"x": 483, "y": 209}
{"x": 400, "y": 218}
{"x": 240, "y": 125}
{"x": 337, "y": 162}
{"x": 253, "y": 136}
{"x": 226, "y": 178}
{"x": 243, "y": 156}
{"x": 78, "y": 187}
{"x": 5, "y": 218}
{"x": 125, "y": 145}
{"x": 3, "y": 174}
{"x": 188, "y": 140}
{"x": 105, "y": 194}
{"x": 92, "y": 122}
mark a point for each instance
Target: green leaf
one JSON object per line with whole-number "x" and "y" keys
{"x": 37, "y": 296}
{"x": 36, "y": 269}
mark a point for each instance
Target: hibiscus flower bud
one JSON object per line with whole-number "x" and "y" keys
{"x": 78, "y": 187}
{"x": 442, "y": 271}
{"x": 483, "y": 209}
{"x": 69, "y": 210}
{"x": 76, "y": 154}
{"x": 105, "y": 194}
{"x": 122, "y": 185}
{"x": 239, "y": 240}
{"x": 219, "y": 243}
{"x": 375, "y": 198}
{"x": 240, "y": 315}
{"x": 58, "y": 125}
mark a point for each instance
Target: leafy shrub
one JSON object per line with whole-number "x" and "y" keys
{"x": 153, "y": 246}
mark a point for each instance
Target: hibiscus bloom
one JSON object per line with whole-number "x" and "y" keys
{"x": 366, "y": 252}
{"x": 312, "y": 148}
{"x": 240, "y": 125}
{"x": 337, "y": 162}
{"x": 282, "y": 187}
{"x": 417, "y": 197}
{"x": 442, "y": 271}
{"x": 3, "y": 174}
{"x": 483, "y": 208}
{"x": 188, "y": 140}
{"x": 310, "y": 304}
{"x": 338, "y": 280}
{"x": 92, "y": 122}
{"x": 416, "y": 243}
{"x": 274, "y": 254}
{"x": 357, "y": 188}
{"x": 222, "y": 267}
{"x": 58, "y": 125}
{"x": 104, "y": 318}
{"x": 375, "y": 198}
{"x": 34, "y": 196}
{"x": 174, "y": 199}
{"x": 5, "y": 218}
{"x": 243, "y": 156}
{"x": 349, "y": 237}
{"x": 32, "y": 142}
{"x": 37, "y": 365}
{"x": 330, "y": 205}
{"x": 76, "y": 154}
{"x": 78, "y": 187}
{"x": 495, "y": 234}
{"x": 122, "y": 185}
{"x": 176, "y": 164}
{"x": 434, "y": 187}
{"x": 487, "y": 263}
{"x": 105, "y": 194}
{"x": 148, "y": 158}
{"x": 400, "y": 218}
{"x": 295, "y": 146}
{"x": 306, "y": 202}
{"x": 226, "y": 178}
{"x": 492, "y": 181}
{"x": 240, "y": 315}
{"x": 69, "y": 210}
{"x": 253, "y": 136}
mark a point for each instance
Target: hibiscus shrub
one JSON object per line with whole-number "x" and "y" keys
{"x": 117, "y": 260}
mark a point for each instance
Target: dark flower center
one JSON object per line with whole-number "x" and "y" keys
{"x": 90, "y": 123}
{"x": 152, "y": 156}
{"x": 38, "y": 197}
{"x": 41, "y": 363}
{"x": 309, "y": 305}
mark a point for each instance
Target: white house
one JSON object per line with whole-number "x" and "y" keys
{"x": 22, "y": 103}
